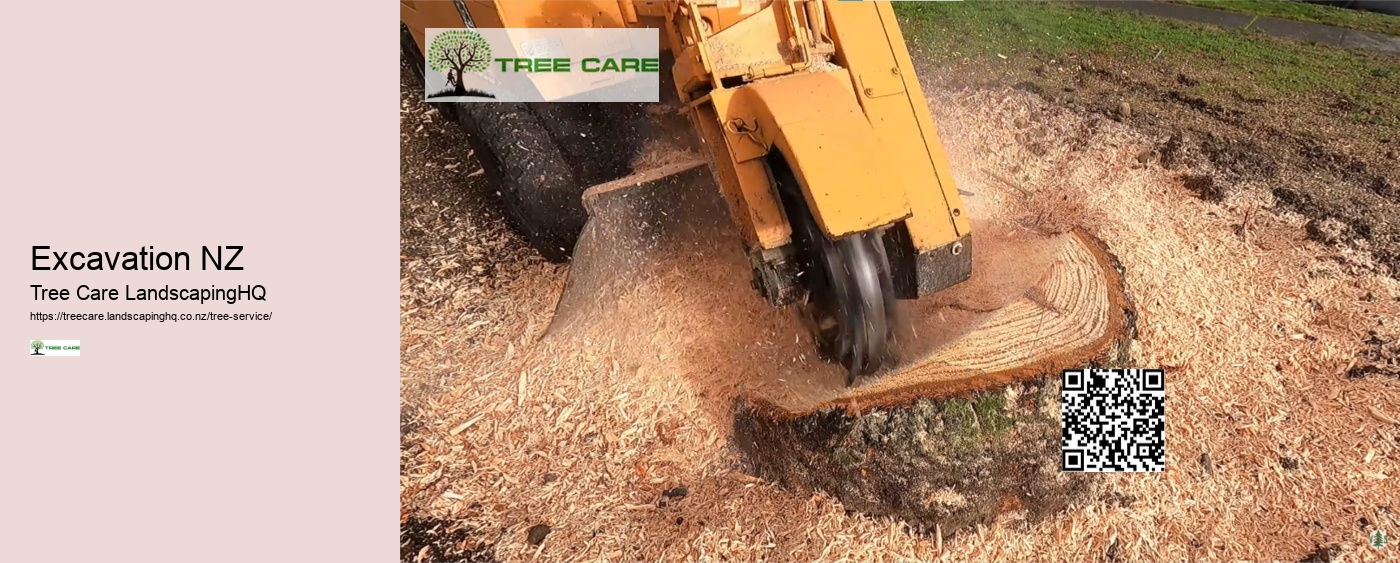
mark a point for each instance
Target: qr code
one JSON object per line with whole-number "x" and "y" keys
{"x": 1113, "y": 420}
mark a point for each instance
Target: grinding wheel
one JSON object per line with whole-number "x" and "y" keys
{"x": 850, "y": 296}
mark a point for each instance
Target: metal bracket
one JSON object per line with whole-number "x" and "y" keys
{"x": 879, "y": 84}
{"x": 739, "y": 130}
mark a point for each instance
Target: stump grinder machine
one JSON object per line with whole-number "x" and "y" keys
{"x": 811, "y": 121}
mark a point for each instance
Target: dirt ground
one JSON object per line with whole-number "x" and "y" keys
{"x": 1278, "y": 340}
{"x": 1328, "y": 157}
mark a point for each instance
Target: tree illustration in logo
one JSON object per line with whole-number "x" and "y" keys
{"x": 457, "y": 51}
{"x": 37, "y": 345}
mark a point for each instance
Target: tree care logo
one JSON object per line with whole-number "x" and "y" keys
{"x": 541, "y": 65}
{"x": 454, "y": 53}
{"x": 51, "y": 348}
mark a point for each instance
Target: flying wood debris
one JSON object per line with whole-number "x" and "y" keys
{"x": 1215, "y": 311}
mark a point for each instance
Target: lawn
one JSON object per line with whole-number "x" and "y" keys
{"x": 1248, "y": 62}
{"x": 1307, "y": 12}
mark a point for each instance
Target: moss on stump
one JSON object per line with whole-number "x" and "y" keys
{"x": 946, "y": 460}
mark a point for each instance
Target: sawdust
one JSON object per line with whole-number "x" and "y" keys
{"x": 655, "y": 153}
{"x": 1255, "y": 327}
{"x": 665, "y": 259}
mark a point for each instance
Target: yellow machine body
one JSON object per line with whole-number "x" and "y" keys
{"x": 828, "y": 84}
{"x": 846, "y": 111}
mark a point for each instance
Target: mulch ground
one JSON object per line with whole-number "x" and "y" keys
{"x": 1283, "y": 413}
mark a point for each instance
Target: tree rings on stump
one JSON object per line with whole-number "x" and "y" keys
{"x": 968, "y": 428}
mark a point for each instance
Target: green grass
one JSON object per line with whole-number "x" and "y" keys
{"x": 1307, "y": 12}
{"x": 1250, "y": 61}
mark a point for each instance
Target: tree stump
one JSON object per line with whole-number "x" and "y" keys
{"x": 962, "y": 427}
{"x": 968, "y": 429}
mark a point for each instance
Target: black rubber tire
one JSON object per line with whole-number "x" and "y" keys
{"x": 542, "y": 200}
{"x": 412, "y": 58}
{"x": 597, "y": 139}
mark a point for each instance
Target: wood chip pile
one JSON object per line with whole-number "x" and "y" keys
{"x": 1281, "y": 441}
